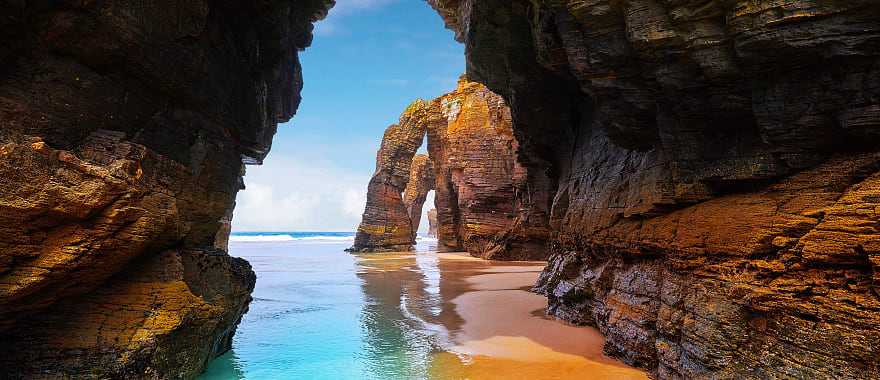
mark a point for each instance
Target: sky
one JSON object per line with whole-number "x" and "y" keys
{"x": 368, "y": 61}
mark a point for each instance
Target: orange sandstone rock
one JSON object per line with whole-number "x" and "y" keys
{"x": 386, "y": 224}
{"x": 432, "y": 222}
{"x": 483, "y": 202}
{"x": 421, "y": 181}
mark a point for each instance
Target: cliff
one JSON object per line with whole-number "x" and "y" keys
{"x": 421, "y": 182}
{"x": 386, "y": 224}
{"x": 123, "y": 131}
{"x": 711, "y": 172}
{"x": 483, "y": 202}
{"x": 432, "y": 222}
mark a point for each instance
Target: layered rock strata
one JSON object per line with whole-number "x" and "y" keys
{"x": 710, "y": 173}
{"x": 386, "y": 224}
{"x": 421, "y": 182}
{"x": 432, "y": 222}
{"x": 123, "y": 130}
{"x": 483, "y": 201}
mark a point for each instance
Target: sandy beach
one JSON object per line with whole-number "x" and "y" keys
{"x": 497, "y": 328}
{"x": 506, "y": 334}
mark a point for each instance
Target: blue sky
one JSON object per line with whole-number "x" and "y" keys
{"x": 368, "y": 61}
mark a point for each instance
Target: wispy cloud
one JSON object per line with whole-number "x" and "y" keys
{"x": 289, "y": 195}
{"x": 286, "y": 194}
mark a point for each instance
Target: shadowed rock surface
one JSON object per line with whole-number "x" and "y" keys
{"x": 432, "y": 222}
{"x": 710, "y": 170}
{"x": 386, "y": 225}
{"x": 421, "y": 182}
{"x": 123, "y": 131}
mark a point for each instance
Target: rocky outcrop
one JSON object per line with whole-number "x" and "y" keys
{"x": 421, "y": 182}
{"x": 432, "y": 222}
{"x": 709, "y": 170}
{"x": 483, "y": 200}
{"x": 123, "y": 129}
{"x": 386, "y": 224}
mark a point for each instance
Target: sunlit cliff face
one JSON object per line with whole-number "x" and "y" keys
{"x": 483, "y": 199}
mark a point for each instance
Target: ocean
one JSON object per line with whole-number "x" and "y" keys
{"x": 308, "y": 315}
{"x": 321, "y": 313}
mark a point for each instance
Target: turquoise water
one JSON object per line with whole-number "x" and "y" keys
{"x": 316, "y": 316}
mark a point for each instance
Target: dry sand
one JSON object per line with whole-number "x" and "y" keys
{"x": 498, "y": 328}
{"x": 505, "y": 336}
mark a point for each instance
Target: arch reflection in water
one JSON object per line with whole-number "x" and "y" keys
{"x": 320, "y": 313}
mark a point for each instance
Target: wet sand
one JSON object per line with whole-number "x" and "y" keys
{"x": 493, "y": 326}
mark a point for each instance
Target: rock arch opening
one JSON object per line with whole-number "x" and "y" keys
{"x": 714, "y": 166}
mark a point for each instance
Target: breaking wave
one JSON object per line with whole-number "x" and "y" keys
{"x": 317, "y": 237}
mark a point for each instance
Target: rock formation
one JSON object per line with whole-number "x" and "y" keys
{"x": 386, "y": 224}
{"x": 123, "y": 129}
{"x": 432, "y": 222}
{"x": 711, "y": 172}
{"x": 421, "y": 182}
{"x": 483, "y": 199}
{"x": 483, "y": 202}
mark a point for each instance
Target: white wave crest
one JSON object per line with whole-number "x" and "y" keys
{"x": 326, "y": 238}
{"x": 285, "y": 237}
{"x": 258, "y": 238}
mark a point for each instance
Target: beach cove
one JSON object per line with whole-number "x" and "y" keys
{"x": 321, "y": 313}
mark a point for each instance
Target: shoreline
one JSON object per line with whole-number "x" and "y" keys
{"x": 498, "y": 328}
{"x": 506, "y": 333}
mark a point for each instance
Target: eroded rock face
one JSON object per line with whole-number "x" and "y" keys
{"x": 123, "y": 129}
{"x": 432, "y": 222}
{"x": 483, "y": 200}
{"x": 421, "y": 182}
{"x": 386, "y": 224}
{"x": 710, "y": 170}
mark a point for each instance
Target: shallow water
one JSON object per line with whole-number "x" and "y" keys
{"x": 321, "y": 313}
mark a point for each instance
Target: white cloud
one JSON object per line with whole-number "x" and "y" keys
{"x": 286, "y": 194}
{"x": 289, "y": 195}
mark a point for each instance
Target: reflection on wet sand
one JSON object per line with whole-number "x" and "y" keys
{"x": 463, "y": 318}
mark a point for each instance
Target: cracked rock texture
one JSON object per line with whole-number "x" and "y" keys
{"x": 710, "y": 173}
{"x": 432, "y": 222}
{"x": 386, "y": 225}
{"x": 482, "y": 199}
{"x": 421, "y": 182}
{"x": 123, "y": 130}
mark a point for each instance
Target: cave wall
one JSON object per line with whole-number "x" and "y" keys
{"x": 124, "y": 127}
{"x": 710, "y": 173}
